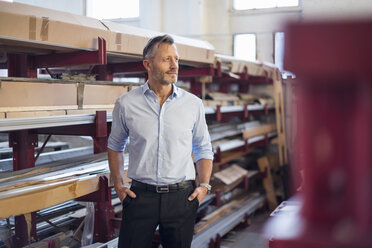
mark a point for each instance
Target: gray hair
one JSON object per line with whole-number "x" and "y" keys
{"x": 157, "y": 40}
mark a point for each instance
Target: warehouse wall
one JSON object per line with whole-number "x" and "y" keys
{"x": 71, "y": 6}
{"x": 335, "y": 9}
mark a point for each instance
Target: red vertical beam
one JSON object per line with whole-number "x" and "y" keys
{"x": 218, "y": 113}
{"x": 246, "y": 113}
{"x": 100, "y": 139}
{"x": 196, "y": 87}
{"x": 103, "y": 73}
{"x": 23, "y": 143}
{"x": 104, "y": 213}
{"x": 19, "y": 65}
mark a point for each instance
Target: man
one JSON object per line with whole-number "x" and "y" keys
{"x": 164, "y": 124}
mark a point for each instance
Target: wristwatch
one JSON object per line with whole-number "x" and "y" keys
{"x": 206, "y": 185}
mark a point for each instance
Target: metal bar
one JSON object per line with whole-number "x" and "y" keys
{"x": 42, "y": 148}
{"x": 227, "y": 222}
{"x": 47, "y": 121}
{"x": 74, "y": 58}
{"x": 130, "y": 67}
{"x": 63, "y": 81}
{"x": 51, "y": 223}
{"x": 195, "y": 72}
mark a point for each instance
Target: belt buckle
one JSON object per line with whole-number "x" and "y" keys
{"x": 162, "y": 189}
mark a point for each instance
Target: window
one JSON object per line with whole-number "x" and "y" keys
{"x": 279, "y": 49}
{"x": 245, "y": 46}
{"x": 263, "y": 4}
{"x": 113, "y": 9}
{"x": 279, "y": 54}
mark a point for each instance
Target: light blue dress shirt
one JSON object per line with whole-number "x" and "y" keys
{"x": 161, "y": 138}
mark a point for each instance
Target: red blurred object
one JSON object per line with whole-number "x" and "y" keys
{"x": 332, "y": 62}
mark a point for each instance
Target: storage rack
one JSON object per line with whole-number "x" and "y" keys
{"x": 23, "y": 132}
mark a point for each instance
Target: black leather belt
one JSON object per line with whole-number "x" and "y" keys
{"x": 162, "y": 188}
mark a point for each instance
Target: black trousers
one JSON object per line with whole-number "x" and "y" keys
{"x": 173, "y": 212}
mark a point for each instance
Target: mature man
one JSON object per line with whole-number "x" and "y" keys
{"x": 164, "y": 124}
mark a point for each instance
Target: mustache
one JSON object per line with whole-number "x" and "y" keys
{"x": 172, "y": 71}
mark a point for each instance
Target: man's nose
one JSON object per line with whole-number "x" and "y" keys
{"x": 174, "y": 64}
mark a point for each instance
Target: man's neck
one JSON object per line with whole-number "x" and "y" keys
{"x": 161, "y": 90}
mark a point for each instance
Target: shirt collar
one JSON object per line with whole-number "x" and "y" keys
{"x": 175, "y": 90}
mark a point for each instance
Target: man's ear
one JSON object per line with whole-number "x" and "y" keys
{"x": 146, "y": 63}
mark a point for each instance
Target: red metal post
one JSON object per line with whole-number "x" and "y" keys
{"x": 100, "y": 139}
{"x": 196, "y": 87}
{"x": 19, "y": 65}
{"x": 217, "y": 155}
{"x": 218, "y": 113}
{"x": 103, "y": 73}
{"x": 246, "y": 112}
{"x": 104, "y": 213}
{"x": 218, "y": 197}
{"x": 246, "y": 182}
{"x": 23, "y": 143}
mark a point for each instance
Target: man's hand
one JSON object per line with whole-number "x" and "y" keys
{"x": 122, "y": 192}
{"x": 200, "y": 192}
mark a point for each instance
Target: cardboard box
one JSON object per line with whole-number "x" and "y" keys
{"x": 32, "y": 23}
{"x": 132, "y": 40}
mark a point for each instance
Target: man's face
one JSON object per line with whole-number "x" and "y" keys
{"x": 164, "y": 64}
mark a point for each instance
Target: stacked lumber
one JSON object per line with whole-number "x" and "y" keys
{"x": 222, "y": 99}
{"x": 237, "y": 133}
{"x": 32, "y": 98}
{"x": 230, "y": 99}
{"x": 230, "y": 64}
{"x": 224, "y": 210}
{"x": 49, "y": 184}
{"x": 229, "y": 178}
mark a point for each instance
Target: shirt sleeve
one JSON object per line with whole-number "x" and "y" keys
{"x": 119, "y": 132}
{"x": 201, "y": 141}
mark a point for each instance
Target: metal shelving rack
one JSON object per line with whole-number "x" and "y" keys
{"x": 23, "y": 132}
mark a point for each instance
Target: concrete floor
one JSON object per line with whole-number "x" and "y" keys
{"x": 249, "y": 237}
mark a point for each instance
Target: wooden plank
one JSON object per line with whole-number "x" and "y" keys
{"x": 277, "y": 179}
{"x": 263, "y": 164}
{"x": 260, "y": 130}
{"x": 227, "y": 157}
{"x": 37, "y": 108}
{"x": 34, "y": 113}
{"x": 23, "y": 94}
{"x": 217, "y": 214}
{"x": 279, "y": 113}
{"x": 48, "y": 196}
{"x": 102, "y": 94}
{"x": 231, "y": 174}
{"x": 87, "y": 111}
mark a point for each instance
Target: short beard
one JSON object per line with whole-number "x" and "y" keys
{"x": 165, "y": 82}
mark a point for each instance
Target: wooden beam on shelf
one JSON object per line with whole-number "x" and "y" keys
{"x": 23, "y": 201}
{"x": 264, "y": 166}
{"x": 227, "y": 157}
{"x": 219, "y": 213}
{"x": 279, "y": 113}
{"x": 260, "y": 130}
